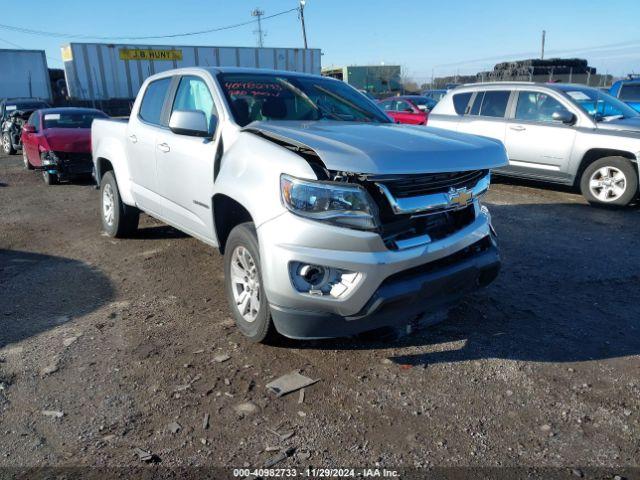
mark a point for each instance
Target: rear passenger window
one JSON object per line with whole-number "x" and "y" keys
{"x": 494, "y": 104}
{"x": 460, "y": 102}
{"x": 153, "y": 101}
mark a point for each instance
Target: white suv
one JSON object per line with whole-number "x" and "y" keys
{"x": 568, "y": 134}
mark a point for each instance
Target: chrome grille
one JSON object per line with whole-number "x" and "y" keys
{"x": 403, "y": 186}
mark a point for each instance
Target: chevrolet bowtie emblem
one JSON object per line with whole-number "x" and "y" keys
{"x": 459, "y": 197}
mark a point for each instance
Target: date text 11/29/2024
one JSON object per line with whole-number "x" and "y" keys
{"x": 316, "y": 472}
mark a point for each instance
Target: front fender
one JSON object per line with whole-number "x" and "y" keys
{"x": 250, "y": 175}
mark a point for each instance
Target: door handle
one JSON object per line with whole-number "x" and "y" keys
{"x": 164, "y": 147}
{"x": 133, "y": 139}
{"x": 518, "y": 128}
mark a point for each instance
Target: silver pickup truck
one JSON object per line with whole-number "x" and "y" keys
{"x": 332, "y": 219}
{"x": 560, "y": 133}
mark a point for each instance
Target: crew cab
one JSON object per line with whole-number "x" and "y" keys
{"x": 332, "y": 219}
{"x": 560, "y": 133}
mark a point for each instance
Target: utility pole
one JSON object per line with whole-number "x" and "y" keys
{"x": 259, "y": 13}
{"x": 304, "y": 29}
{"x": 544, "y": 35}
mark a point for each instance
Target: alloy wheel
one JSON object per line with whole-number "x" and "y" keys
{"x": 108, "y": 204}
{"x": 608, "y": 184}
{"x": 245, "y": 283}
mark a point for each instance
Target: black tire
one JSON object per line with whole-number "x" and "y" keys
{"x": 124, "y": 218}
{"x": 7, "y": 144}
{"x": 261, "y": 329}
{"x": 50, "y": 178}
{"x": 630, "y": 182}
{"x": 25, "y": 159}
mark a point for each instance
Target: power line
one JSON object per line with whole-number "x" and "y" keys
{"x": 20, "y": 47}
{"x": 585, "y": 50}
{"x": 12, "y": 44}
{"x": 44, "y": 33}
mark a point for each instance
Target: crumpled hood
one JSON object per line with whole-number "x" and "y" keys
{"x": 72, "y": 140}
{"x": 388, "y": 148}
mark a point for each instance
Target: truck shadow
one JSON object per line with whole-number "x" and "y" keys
{"x": 40, "y": 292}
{"x": 569, "y": 291}
{"x": 158, "y": 232}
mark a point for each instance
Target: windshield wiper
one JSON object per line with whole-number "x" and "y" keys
{"x": 608, "y": 118}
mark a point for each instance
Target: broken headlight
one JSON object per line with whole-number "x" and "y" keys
{"x": 342, "y": 204}
{"x": 49, "y": 158}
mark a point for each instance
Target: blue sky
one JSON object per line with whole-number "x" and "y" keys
{"x": 443, "y": 37}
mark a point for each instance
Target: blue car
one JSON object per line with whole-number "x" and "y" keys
{"x": 628, "y": 91}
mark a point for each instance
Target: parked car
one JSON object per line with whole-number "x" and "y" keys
{"x": 561, "y": 133}
{"x": 332, "y": 219}
{"x": 628, "y": 91}
{"x": 58, "y": 141}
{"x": 436, "y": 95}
{"x": 410, "y": 109}
{"x": 14, "y": 113}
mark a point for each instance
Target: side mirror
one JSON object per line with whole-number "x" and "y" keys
{"x": 564, "y": 116}
{"x": 423, "y": 108}
{"x": 28, "y": 128}
{"x": 192, "y": 123}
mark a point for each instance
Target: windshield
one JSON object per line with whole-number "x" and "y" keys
{"x": 259, "y": 97}
{"x": 601, "y": 106}
{"x": 630, "y": 92}
{"x": 70, "y": 119}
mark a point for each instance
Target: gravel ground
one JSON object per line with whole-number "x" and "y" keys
{"x": 120, "y": 337}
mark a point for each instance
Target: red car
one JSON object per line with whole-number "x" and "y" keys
{"x": 410, "y": 109}
{"x": 58, "y": 142}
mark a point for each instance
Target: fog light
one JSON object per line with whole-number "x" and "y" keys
{"x": 313, "y": 274}
{"x": 319, "y": 280}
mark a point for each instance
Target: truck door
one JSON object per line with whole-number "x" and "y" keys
{"x": 185, "y": 163}
{"x": 141, "y": 141}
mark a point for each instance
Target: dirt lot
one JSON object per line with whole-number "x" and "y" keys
{"x": 540, "y": 369}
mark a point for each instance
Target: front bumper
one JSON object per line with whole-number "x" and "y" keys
{"x": 397, "y": 301}
{"x": 71, "y": 164}
{"x": 394, "y": 286}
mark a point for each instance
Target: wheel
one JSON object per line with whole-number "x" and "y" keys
{"x": 610, "y": 181}
{"x": 118, "y": 220}
{"x": 7, "y": 144}
{"x": 243, "y": 282}
{"x": 25, "y": 159}
{"x": 50, "y": 178}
